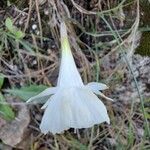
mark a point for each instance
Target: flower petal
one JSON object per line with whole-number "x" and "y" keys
{"x": 52, "y": 120}
{"x": 103, "y": 96}
{"x": 96, "y": 87}
{"x": 96, "y": 107}
{"x": 73, "y": 108}
{"x": 68, "y": 73}
{"x": 43, "y": 96}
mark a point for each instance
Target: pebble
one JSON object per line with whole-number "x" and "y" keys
{"x": 34, "y": 26}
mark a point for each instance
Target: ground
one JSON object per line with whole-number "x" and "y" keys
{"x": 107, "y": 42}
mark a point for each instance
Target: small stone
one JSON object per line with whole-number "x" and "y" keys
{"x": 34, "y": 26}
{"x": 34, "y": 62}
{"x": 46, "y": 12}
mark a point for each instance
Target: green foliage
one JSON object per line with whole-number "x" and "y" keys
{"x": 1, "y": 80}
{"x": 77, "y": 144}
{"x": 13, "y": 30}
{"x": 147, "y": 110}
{"x": 9, "y": 24}
{"x": 18, "y": 3}
{"x": 145, "y": 19}
{"x": 12, "y": 37}
{"x": 28, "y": 91}
{"x": 5, "y": 110}
{"x": 144, "y": 47}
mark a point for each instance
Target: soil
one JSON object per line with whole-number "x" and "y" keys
{"x": 22, "y": 67}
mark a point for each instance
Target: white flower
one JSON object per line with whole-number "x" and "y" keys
{"x": 71, "y": 104}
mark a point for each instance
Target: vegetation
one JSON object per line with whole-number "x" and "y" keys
{"x": 103, "y": 37}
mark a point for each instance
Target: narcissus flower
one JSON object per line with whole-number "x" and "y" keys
{"x": 71, "y": 104}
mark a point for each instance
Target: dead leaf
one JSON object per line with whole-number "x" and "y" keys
{"x": 2, "y": 122}
{"x": 12, "y": 132}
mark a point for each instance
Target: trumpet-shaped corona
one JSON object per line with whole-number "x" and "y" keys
{"x": 70, "y": 104}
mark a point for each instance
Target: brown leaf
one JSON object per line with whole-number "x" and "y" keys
{"x": 2, "y": 122}
{"x": 12, "y": 132}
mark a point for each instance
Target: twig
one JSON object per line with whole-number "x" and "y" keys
{"x": 29, "y": 14}
{"x": 39, "y": 19}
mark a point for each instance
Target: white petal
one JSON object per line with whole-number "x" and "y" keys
{"x": 95, "y": 106}
{"x": 43, "y": 96}
{"x": 96, "y": 87}
{"x": 68, "y": 74}
{"x": 73, "y": 108}
{"x": 103, "y": 96}
{"x": 52, "y": 120}
{"x": 46, "y": 103}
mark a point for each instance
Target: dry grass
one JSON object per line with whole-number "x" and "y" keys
{"x": 96, "y": 35}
